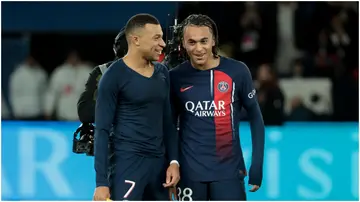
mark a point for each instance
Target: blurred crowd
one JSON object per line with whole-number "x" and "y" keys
{"x": 36, "y": 96}
{"x": 303, "y": 56}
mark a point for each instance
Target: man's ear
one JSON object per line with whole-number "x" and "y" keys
{"x": 135, "y": 39}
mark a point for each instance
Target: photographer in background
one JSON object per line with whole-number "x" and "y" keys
{"x": 87, "y": 101}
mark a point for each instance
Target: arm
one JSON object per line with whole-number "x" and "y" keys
{"x": 248, "y": 97}
{"x": 104, "y": 116}
{"x": 171, "y": 138}
{"x": 175, "y": 106}
{"x": 87, "y": 100}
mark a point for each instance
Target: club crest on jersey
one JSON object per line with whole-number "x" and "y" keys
{"x": 223, "y": 86}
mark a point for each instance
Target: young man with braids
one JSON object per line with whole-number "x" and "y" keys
{"x": 208, "y": 92}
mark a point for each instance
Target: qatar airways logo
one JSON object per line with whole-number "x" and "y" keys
{"x": 206, "y": 108}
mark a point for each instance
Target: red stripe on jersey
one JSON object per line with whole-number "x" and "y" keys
{"x": 222, "y": 86}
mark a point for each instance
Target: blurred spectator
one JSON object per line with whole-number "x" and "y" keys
{"x": 66, "y": 84}
{"x": 298, "y": 70}
{"x": 299, "y": 112}
{"x": 250, "y": 24}
{"x": 286, "y": 49}
{"x": 27, "y": 87}
{"x": 270, "y": 96}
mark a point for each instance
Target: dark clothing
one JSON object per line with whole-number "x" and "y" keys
{"x": 208, "y": 104}
{"x": 272, "y": 104}
{"x": 138, "y": 109}
{"x": 224, "y": 190}
{"x": 139, "y": 178}
{"x": 87, "y": 100}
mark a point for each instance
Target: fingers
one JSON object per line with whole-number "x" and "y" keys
{"x": 169, "y": 181}
{"x": 100, "y": 198}
{"x": 254, "y": 188}
{"x": 101, "y": 195}
{"x": 168, "y": 177}
{"x": 172, "y": 178}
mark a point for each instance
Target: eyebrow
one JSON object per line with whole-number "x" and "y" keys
{"x": 157, "y": 35}
{"x": 205, "y": 38}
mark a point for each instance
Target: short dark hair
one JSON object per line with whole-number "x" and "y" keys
{"x": 203, "y": 20}
{"x": 139, "y": 21}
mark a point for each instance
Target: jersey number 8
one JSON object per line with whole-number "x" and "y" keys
{"x": 185, "y": 194}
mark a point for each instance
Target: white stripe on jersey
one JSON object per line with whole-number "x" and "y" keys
{"x": 232, "y": 109}
{"x": 211, "y": 82}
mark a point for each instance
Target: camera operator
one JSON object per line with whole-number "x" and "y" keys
{"x": 87, "y": 100}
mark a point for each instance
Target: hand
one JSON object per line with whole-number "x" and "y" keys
{"x": 172, "y": 175}
{"x": 102, "y": 193}
{"x": 254, "y": 188}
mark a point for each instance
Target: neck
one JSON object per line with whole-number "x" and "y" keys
{"x": 212, "y": 62}
{"x": 135, "y": 59}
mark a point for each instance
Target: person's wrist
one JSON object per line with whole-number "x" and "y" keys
{"x": 175, "y": 162}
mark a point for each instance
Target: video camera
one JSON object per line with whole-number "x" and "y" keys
{"x": 174, "y": 55}
{"x": 83, "y": 141}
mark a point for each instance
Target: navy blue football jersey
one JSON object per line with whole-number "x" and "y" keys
{"x": 138, "y": 109}
{"x": 208, "y": 105}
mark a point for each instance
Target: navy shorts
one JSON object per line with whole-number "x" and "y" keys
{"x": 138, "y": 178}
{"x": 224, "y": 190}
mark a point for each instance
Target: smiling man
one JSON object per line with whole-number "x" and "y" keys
{"x": 208, "y": 92}
{"x": 133, "y": 101}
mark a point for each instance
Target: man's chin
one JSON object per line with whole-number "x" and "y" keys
{"x": 153, "y": 59}
{"x": 199, "y": 62}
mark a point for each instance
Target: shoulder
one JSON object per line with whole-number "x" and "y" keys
{"x": 101, "y": 69}
{"x": 237, "y": 64}
{"x": 115, "y": 67}
{"x": 60, "y": 71}
{"x": 18, "y": 69}
{"x": 161, "y": 67}
{"x": 236, "y": 67}
{"x": 181, "y": 68}
{"x": 96, "y": 73}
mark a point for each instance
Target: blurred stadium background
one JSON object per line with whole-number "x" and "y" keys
{"x": 304, "y": 60}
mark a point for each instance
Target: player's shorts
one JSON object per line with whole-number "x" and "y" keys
{"x": 138, "y": 178}
{"x": 224, "y": 190}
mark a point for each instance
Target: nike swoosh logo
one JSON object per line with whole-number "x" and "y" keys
{"x": 185, "y": 89}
